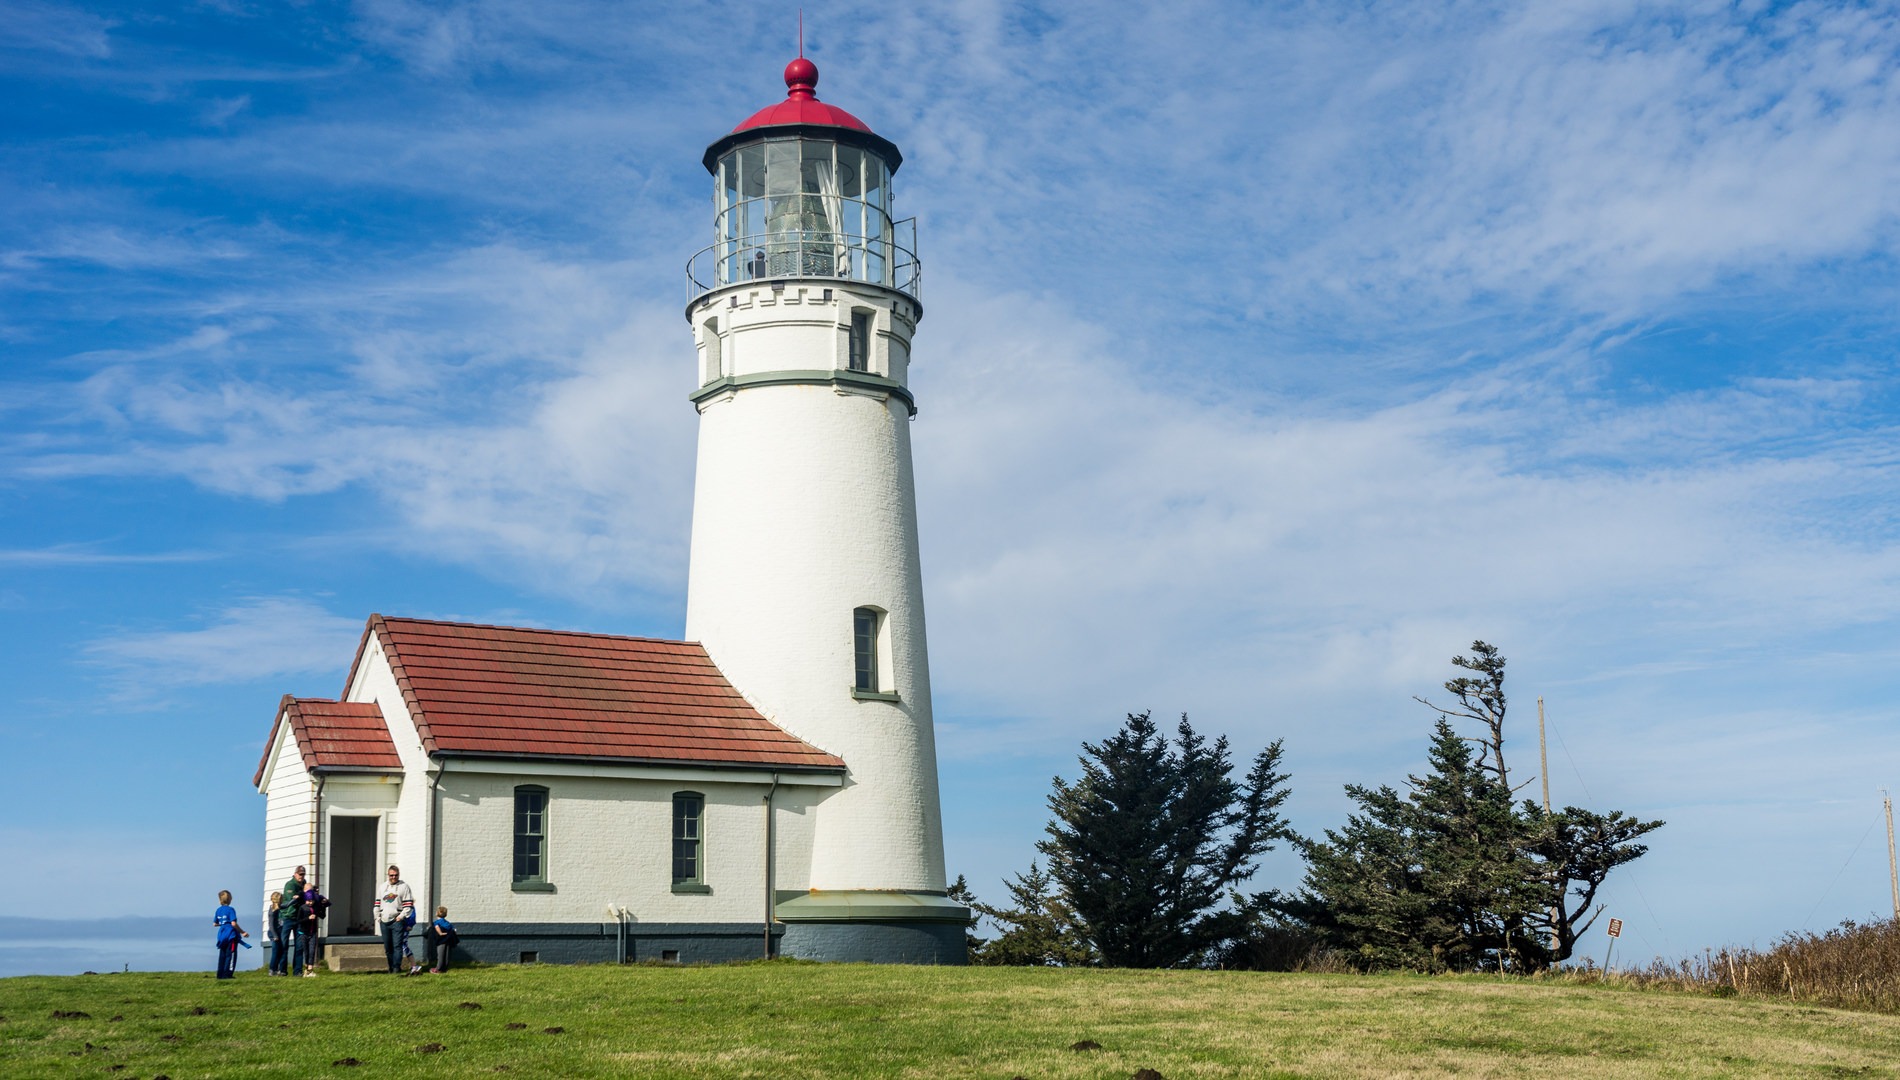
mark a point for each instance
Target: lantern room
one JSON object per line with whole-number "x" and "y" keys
{"x": 802, "y": 189}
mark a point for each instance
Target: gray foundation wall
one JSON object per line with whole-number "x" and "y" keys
{"x": 710, "y": 943}
{"x": 893, "y": 942}
{"x": 599, "y": 943}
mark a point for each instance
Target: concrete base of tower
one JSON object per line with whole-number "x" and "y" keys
{"x": 875, "y": 943}
{"x": 865, "y": 927}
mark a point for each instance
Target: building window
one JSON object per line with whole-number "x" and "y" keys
{"x": 715, "y": 362}
{"x": 865, "y": 624}
{"x": 860, "y": 353}
{"x": 689, "y": 810}
{"x": 531, "y": 835}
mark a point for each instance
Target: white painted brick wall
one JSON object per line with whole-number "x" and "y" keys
{"x": 805, "y": 509}
{"x": 610, "y": 841}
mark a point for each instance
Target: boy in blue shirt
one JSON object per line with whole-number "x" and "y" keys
{"x": 230, "y": 935}
{"x": 442, "y": 939}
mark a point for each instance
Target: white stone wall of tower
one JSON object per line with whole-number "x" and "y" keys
{"x": 804, "y": 510}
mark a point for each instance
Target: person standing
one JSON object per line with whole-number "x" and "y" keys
{"x": 395, "y": 913}
{"x": 290, "y": 922}
{"x": 229, "y": 934}
{"x": 271, "y": 937}
{"x": 442, "y": 940}
{"x": 315, "y": 905}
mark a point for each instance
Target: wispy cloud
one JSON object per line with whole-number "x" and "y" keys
{"x": 257, "y": 639}
{"x": 57, "y": 28}
{"x": 91, "y": 555}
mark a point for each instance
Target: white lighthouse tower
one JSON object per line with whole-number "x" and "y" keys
{"x": 805, "y": 586}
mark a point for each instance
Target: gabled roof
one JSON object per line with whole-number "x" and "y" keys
{"x": 497, "y": 691}
{"x": 334, "y": 735}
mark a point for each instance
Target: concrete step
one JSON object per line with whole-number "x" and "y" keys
{"x": 356, "y": 957}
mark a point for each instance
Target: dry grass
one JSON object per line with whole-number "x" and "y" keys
{"x": 1854, "y": 966}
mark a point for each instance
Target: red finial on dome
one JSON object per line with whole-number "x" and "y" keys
{"x": 801, "y": 79}
{"x": 801, "y": 104}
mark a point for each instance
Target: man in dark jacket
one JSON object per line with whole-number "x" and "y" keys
{"x": 290, "y": 912}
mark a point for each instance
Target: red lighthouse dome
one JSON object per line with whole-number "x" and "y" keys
{"x": 801, "y": 104}
{"x": 802, "y": 114}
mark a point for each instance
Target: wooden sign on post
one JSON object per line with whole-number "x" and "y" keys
{"x": 1616, "y": 931}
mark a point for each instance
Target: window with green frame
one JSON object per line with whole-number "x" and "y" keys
{"x": 689, "y": 809}
{"x": 531, "y": 834}
{"x": 865, "y": 624}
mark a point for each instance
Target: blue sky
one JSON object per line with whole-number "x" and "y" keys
{"x": 1272, "y": 353}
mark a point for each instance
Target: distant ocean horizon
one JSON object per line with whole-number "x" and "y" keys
{"x": 129, "y": 943}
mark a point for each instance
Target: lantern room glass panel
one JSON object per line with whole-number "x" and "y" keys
{"x": 791, "y": 207}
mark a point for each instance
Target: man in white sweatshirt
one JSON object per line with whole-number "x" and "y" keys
{"x": 395, "y": 914}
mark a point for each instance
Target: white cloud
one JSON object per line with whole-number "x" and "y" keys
{"x": 55, "y": 28}
{"x": 248, "y": 641}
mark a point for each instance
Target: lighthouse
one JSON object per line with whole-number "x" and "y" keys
{"x": 805, "y": 586}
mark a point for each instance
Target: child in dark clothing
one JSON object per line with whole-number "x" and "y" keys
{"x": 315, "y": 906}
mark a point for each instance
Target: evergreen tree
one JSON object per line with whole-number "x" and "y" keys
{"x": 1038, "y": 931}
{"x": 1147, "y": 845}
{"x": 1453, "y": 875}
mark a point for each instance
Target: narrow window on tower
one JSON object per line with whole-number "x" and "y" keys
{"x": 860, "y": 357}
{"x": 689, "y": 869}
{"x": 714, "y": 361}
{"x": 531, "y": 836}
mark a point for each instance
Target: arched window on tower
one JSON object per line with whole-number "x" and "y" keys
{"x": 715, "y": 361}
{"x": 859, "y": 351}
{"x": 871, "y": 654}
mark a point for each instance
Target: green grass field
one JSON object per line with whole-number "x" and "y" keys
{"x": 807, "y": 1020}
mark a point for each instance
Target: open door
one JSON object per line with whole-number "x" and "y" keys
{"x": 355, "y": 848}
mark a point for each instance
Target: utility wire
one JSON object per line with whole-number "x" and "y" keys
{"x": 1640, "y": 895}
{"x": 1808, "y": 922}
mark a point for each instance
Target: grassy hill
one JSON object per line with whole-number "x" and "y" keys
{"x": 806, "y": 1020}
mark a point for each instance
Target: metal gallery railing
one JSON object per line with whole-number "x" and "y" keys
{"x": 804, "y": 254}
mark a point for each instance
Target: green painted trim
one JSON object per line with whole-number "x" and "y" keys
{"x": 855, "y": 380}
{"x": 697, "y": 882}
{"x": 854, "y": 905}
{"x": 538, "y": 883}
{"x": 872, "y": 695}
{"x": 692, "y": 888}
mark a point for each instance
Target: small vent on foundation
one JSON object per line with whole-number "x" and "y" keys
{"x": 530, "y": 957}
{"x": 669, "y": 956}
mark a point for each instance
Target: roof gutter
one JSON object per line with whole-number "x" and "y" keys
{"x": 669, "y": 763}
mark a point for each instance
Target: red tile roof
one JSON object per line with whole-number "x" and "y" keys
{"x": 501, "y": 691}
{"x": 334, "y": 734}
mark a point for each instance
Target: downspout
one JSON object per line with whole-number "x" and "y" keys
{"x": 435, "y": 844}
{"x": 316, "y": 851}
{"x": 313, "y": 849}
{"x": 769, "y": 792}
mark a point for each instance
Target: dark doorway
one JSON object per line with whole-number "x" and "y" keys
{"x": 354, "y": 850}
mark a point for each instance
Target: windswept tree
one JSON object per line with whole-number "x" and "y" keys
{"x": 1454, "y": 873}
{"x": 1038, "y": 928}
{"x": 1149, "y": 843}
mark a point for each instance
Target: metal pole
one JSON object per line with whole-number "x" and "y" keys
{"x": 1543, "y": 755}
{"x": 1893, "y": 869}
